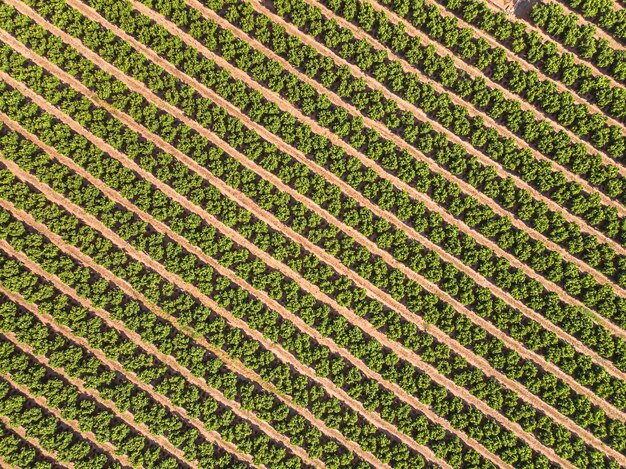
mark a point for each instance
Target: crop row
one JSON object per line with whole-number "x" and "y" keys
{"x": 579, "y": 38}
{"x": 71, "y": 361}
{"x": 277, "y": 164}
{"x": 185, "y": 177}
{"x": 414, "y": 132}
{"x": 193, "y": 112}
{"x": 507, "y": 239}
{"x": 51, "y": 433}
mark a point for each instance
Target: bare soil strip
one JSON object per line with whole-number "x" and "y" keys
{"x": 21, "y": 432}
{"x": 329, "y": 176}
{"x": 233, "y": 364}
{"x": 148, "y": 348}
{"x": 330, "y": 387}
{"x": 127, "y": 417}
{"x": 364, "y": 202}
{"x": 539, "y": 404}
{"x": 106, "y": 447}
{"x": 211, "y": 436}
{"x": 601, "y": 33}
{"x": 410, "y": 356}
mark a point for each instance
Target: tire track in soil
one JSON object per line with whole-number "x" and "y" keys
{"x": 539, "y": 404}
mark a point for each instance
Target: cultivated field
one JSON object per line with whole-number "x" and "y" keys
{"x": 312, "y": 234}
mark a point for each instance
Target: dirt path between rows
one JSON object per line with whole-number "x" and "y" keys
{"x": 375, "y": 419}
{"x": 106, "y": 448}
{"x": 210, "y": 436}
{"x": 20, "y": 432}
{"x": 127, "y": 417}
{"x": 411, "y": 357}
{"x": 600, "y": 32}
{"x": 577, "y": 99}
{"x": 392, "y": 219}
{"x": 329, "y": 176}
{"x": 539, "y": 404}
{"x": 233, "y": 364}
{"x": 234, "y": 406}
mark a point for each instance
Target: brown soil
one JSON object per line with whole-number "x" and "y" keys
{"x": 467, "y": 146}
{"x": 208, "y": 93}
{"x": 595, "y": 71}
{"x": 510, "y": 55}
{"x": 373, "y": 418}
{"x": 515, "y": 221}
